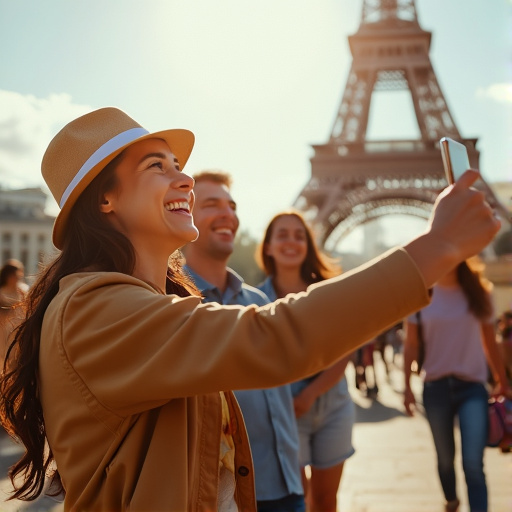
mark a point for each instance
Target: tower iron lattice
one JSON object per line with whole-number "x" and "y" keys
{"x": 355, "y": 180}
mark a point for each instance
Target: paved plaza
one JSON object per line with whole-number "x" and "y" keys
{"x": 394, "y": 467}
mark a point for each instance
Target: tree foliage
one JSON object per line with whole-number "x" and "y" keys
{"x": 242, "y": 260}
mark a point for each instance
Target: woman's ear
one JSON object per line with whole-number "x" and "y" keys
{"x": 106, "y": 205}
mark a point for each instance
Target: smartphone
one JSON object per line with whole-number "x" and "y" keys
{"x": 456, "y": 162}
{"x": 455, "y": 159}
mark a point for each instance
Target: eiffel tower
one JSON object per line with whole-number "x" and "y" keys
{"x": 355, "y": 180}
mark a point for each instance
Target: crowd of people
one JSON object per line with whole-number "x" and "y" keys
{"x": 145, "y": 374}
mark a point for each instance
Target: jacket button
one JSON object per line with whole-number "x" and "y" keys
{"x": 243, "y": 471}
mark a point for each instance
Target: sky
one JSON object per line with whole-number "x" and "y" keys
{"x": 258, "y": 82}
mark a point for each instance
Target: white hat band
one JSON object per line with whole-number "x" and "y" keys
{"x": 102, "y": 152}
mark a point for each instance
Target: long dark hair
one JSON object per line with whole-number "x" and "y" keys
{"x": 91, "y": 243}
{"x": 476, "y": 290}
{"x": 317, "y": 266}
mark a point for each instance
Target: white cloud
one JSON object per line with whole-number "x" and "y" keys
{"x": 27, "y": 125}
{"x": 502, "y": 93}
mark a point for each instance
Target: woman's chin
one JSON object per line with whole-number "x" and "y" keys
{"x": 195, "y": 236}
{"x": 189, "y": 236}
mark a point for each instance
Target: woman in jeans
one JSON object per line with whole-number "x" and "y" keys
{"x": 457, "y": 329}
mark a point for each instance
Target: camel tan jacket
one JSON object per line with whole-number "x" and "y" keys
{"x": 130, "y": 378}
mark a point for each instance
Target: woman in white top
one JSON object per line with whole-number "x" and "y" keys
{"x": 457, "y": 332}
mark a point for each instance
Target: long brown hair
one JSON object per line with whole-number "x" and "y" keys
{"x": 317, "y": 266}
{"x": 91, "y": 243}
{"x": 476, "y": 289}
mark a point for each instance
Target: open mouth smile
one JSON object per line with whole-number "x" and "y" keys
{"x": 223, "y": 231}
{"x": 174, "y": 206}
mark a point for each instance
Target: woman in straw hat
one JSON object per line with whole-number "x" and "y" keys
{"x": 121, "y": 391}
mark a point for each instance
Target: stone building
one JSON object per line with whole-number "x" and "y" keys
{"x": 25, "y": 228}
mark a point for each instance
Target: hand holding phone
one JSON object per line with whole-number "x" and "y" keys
{"x": 456, "y": 162}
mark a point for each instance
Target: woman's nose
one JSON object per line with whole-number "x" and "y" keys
{"x": 184, "y": 181}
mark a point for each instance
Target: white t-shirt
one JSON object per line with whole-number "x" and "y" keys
{"x": 453, "y": 337}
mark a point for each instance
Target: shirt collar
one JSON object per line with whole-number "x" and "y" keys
{"x": 234, "y": 283}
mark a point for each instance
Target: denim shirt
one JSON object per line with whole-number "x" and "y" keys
{"x": 268, "y": 413}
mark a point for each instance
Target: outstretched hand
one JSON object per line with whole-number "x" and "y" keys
{"x": 461, "y": 225}
{"x": 463, "y": 219}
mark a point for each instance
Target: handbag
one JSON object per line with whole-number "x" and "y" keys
{"x": 497, "y": 427}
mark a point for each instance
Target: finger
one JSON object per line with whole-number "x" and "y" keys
{"x": 467, "y": 179}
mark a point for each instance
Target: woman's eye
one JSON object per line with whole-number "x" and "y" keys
{"x": 157, "y": 164}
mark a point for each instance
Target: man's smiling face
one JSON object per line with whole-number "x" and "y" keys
{"x": 215, "y": 218}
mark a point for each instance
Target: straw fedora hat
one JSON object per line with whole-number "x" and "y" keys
{"x": 79, "y": 152}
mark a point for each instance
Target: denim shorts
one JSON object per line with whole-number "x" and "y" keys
{"x": 325, "y": 431}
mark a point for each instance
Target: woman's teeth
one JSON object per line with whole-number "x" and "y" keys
{"x": 177, "y": 205}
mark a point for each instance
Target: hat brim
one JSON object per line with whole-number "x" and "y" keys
{"x": 180, "y": 143}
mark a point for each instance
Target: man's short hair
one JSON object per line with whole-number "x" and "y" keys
{"x": 215, "y": 175}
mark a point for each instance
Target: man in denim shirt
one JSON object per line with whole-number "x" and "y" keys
{"x": 268, "y": 413}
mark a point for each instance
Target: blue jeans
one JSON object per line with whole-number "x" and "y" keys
{"x": 291, "y": 503}
{"x": 444, "y": 399}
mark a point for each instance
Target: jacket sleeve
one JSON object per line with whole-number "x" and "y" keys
{"x": 135, "y": 349}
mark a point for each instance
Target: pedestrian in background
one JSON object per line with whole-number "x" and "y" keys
{"x": 120, "y": 391}
{"x": 324, "y": 409}
{"x": 504, "y": 328}
{"x": 12, "y": 293}
{"x": 457, "y": 330}
{"x": 268, "y": 413}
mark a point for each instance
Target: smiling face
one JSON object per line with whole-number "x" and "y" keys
{"x": 152, "y": 204}
{"x": 215, "y": 217}
{"x": 288, "y": 244}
